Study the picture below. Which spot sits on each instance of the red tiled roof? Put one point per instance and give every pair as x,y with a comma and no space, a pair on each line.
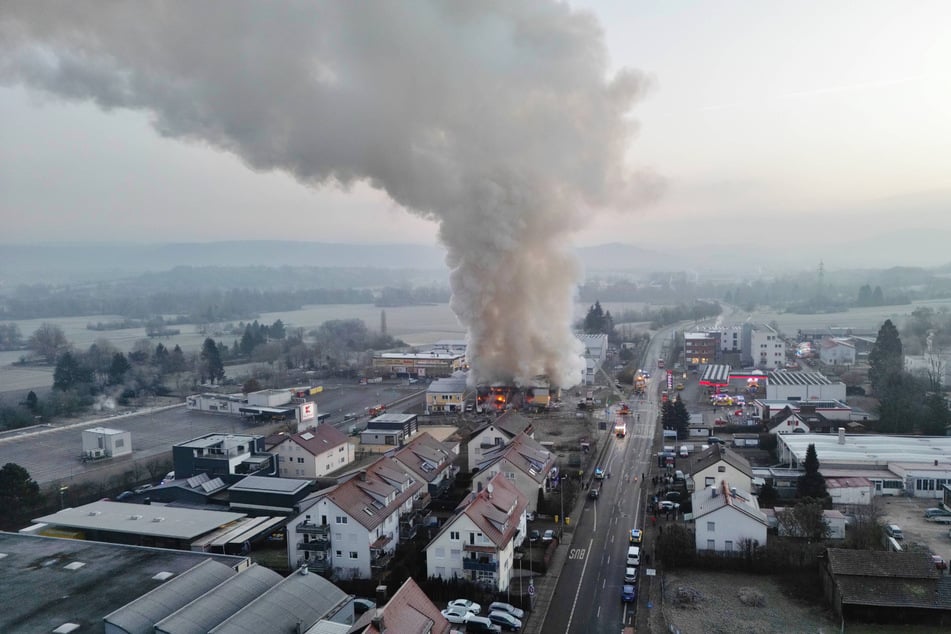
364,497
410,611
320,439
424,449
497,514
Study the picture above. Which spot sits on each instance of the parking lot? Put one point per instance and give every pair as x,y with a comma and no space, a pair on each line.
909,514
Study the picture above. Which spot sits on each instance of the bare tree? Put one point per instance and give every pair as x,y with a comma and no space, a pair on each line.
48,341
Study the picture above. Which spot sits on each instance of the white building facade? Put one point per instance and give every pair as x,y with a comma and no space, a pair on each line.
727,517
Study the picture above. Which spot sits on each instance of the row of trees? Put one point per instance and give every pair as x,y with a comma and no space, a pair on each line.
600,321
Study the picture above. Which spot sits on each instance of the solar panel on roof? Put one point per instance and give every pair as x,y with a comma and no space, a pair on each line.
212,485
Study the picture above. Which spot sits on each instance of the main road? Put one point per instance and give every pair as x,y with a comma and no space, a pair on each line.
587,597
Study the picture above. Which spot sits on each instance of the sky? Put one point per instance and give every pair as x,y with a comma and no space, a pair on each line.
830,118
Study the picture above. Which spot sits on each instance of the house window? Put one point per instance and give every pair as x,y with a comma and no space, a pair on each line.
728,545
454,535
711,527
300,461
341,519
339,553
455,554
440,571
354,554
721,469
708,481
711,544
440,553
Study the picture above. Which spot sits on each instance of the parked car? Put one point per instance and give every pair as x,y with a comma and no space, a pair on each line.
456,614
939,562
936,512
465,604
125,495
630,575
534,536
894,530
628,593
667,505
505,621
598,473
480,624
499,606
594,492
548,536
363,605
636,536
142,488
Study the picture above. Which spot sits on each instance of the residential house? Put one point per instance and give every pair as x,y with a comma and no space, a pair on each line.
226,456
390,429
886,586
767,348
350,531
447,396
803,420
834,521
523,462
478,543
835,351
726,517
313,453
718,463
409,610
432,463
492,435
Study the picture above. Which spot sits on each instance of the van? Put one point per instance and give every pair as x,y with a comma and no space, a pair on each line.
894,530
684,452
634,556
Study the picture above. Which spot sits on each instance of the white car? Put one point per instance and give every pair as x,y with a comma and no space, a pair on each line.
456,614
465,604
498,606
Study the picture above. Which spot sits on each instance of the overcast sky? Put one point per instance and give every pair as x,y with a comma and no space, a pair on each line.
759,114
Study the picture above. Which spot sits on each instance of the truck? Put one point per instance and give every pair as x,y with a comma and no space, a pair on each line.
620,427
661,363
376,410
640,383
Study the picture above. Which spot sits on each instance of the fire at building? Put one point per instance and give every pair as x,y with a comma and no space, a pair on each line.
500,398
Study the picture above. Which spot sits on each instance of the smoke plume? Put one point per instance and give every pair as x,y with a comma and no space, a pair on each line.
496,119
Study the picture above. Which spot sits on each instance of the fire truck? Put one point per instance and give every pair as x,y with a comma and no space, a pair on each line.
376,410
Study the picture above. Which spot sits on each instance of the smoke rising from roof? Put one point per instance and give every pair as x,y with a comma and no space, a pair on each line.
495,119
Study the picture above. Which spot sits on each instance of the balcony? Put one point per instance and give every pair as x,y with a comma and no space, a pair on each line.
381,561
422,502
320,566
320,545
309,528
481,565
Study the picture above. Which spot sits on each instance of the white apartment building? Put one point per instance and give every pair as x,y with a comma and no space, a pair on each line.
313,453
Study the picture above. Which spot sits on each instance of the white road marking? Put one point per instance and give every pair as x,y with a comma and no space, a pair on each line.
578,591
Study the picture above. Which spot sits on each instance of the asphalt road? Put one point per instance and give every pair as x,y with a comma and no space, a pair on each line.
52,454
587,598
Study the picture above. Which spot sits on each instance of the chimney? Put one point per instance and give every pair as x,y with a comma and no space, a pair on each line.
363,476
381,595
841,435
377,621
733,491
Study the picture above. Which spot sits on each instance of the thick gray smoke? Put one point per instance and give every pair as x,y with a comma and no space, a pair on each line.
495,119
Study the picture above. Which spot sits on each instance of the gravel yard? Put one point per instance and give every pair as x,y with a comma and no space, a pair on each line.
706,602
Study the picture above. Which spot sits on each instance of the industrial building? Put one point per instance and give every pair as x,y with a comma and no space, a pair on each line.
916,466
435,363
286,404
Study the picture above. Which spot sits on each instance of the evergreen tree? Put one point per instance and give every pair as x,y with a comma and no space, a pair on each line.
768,496
681,419
936,417
117,370
668,418
19,493
594,320
886,359
161,358
32,401
70,373
277,330
212,368
176,360
811,484
878,298
900,406
865,296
